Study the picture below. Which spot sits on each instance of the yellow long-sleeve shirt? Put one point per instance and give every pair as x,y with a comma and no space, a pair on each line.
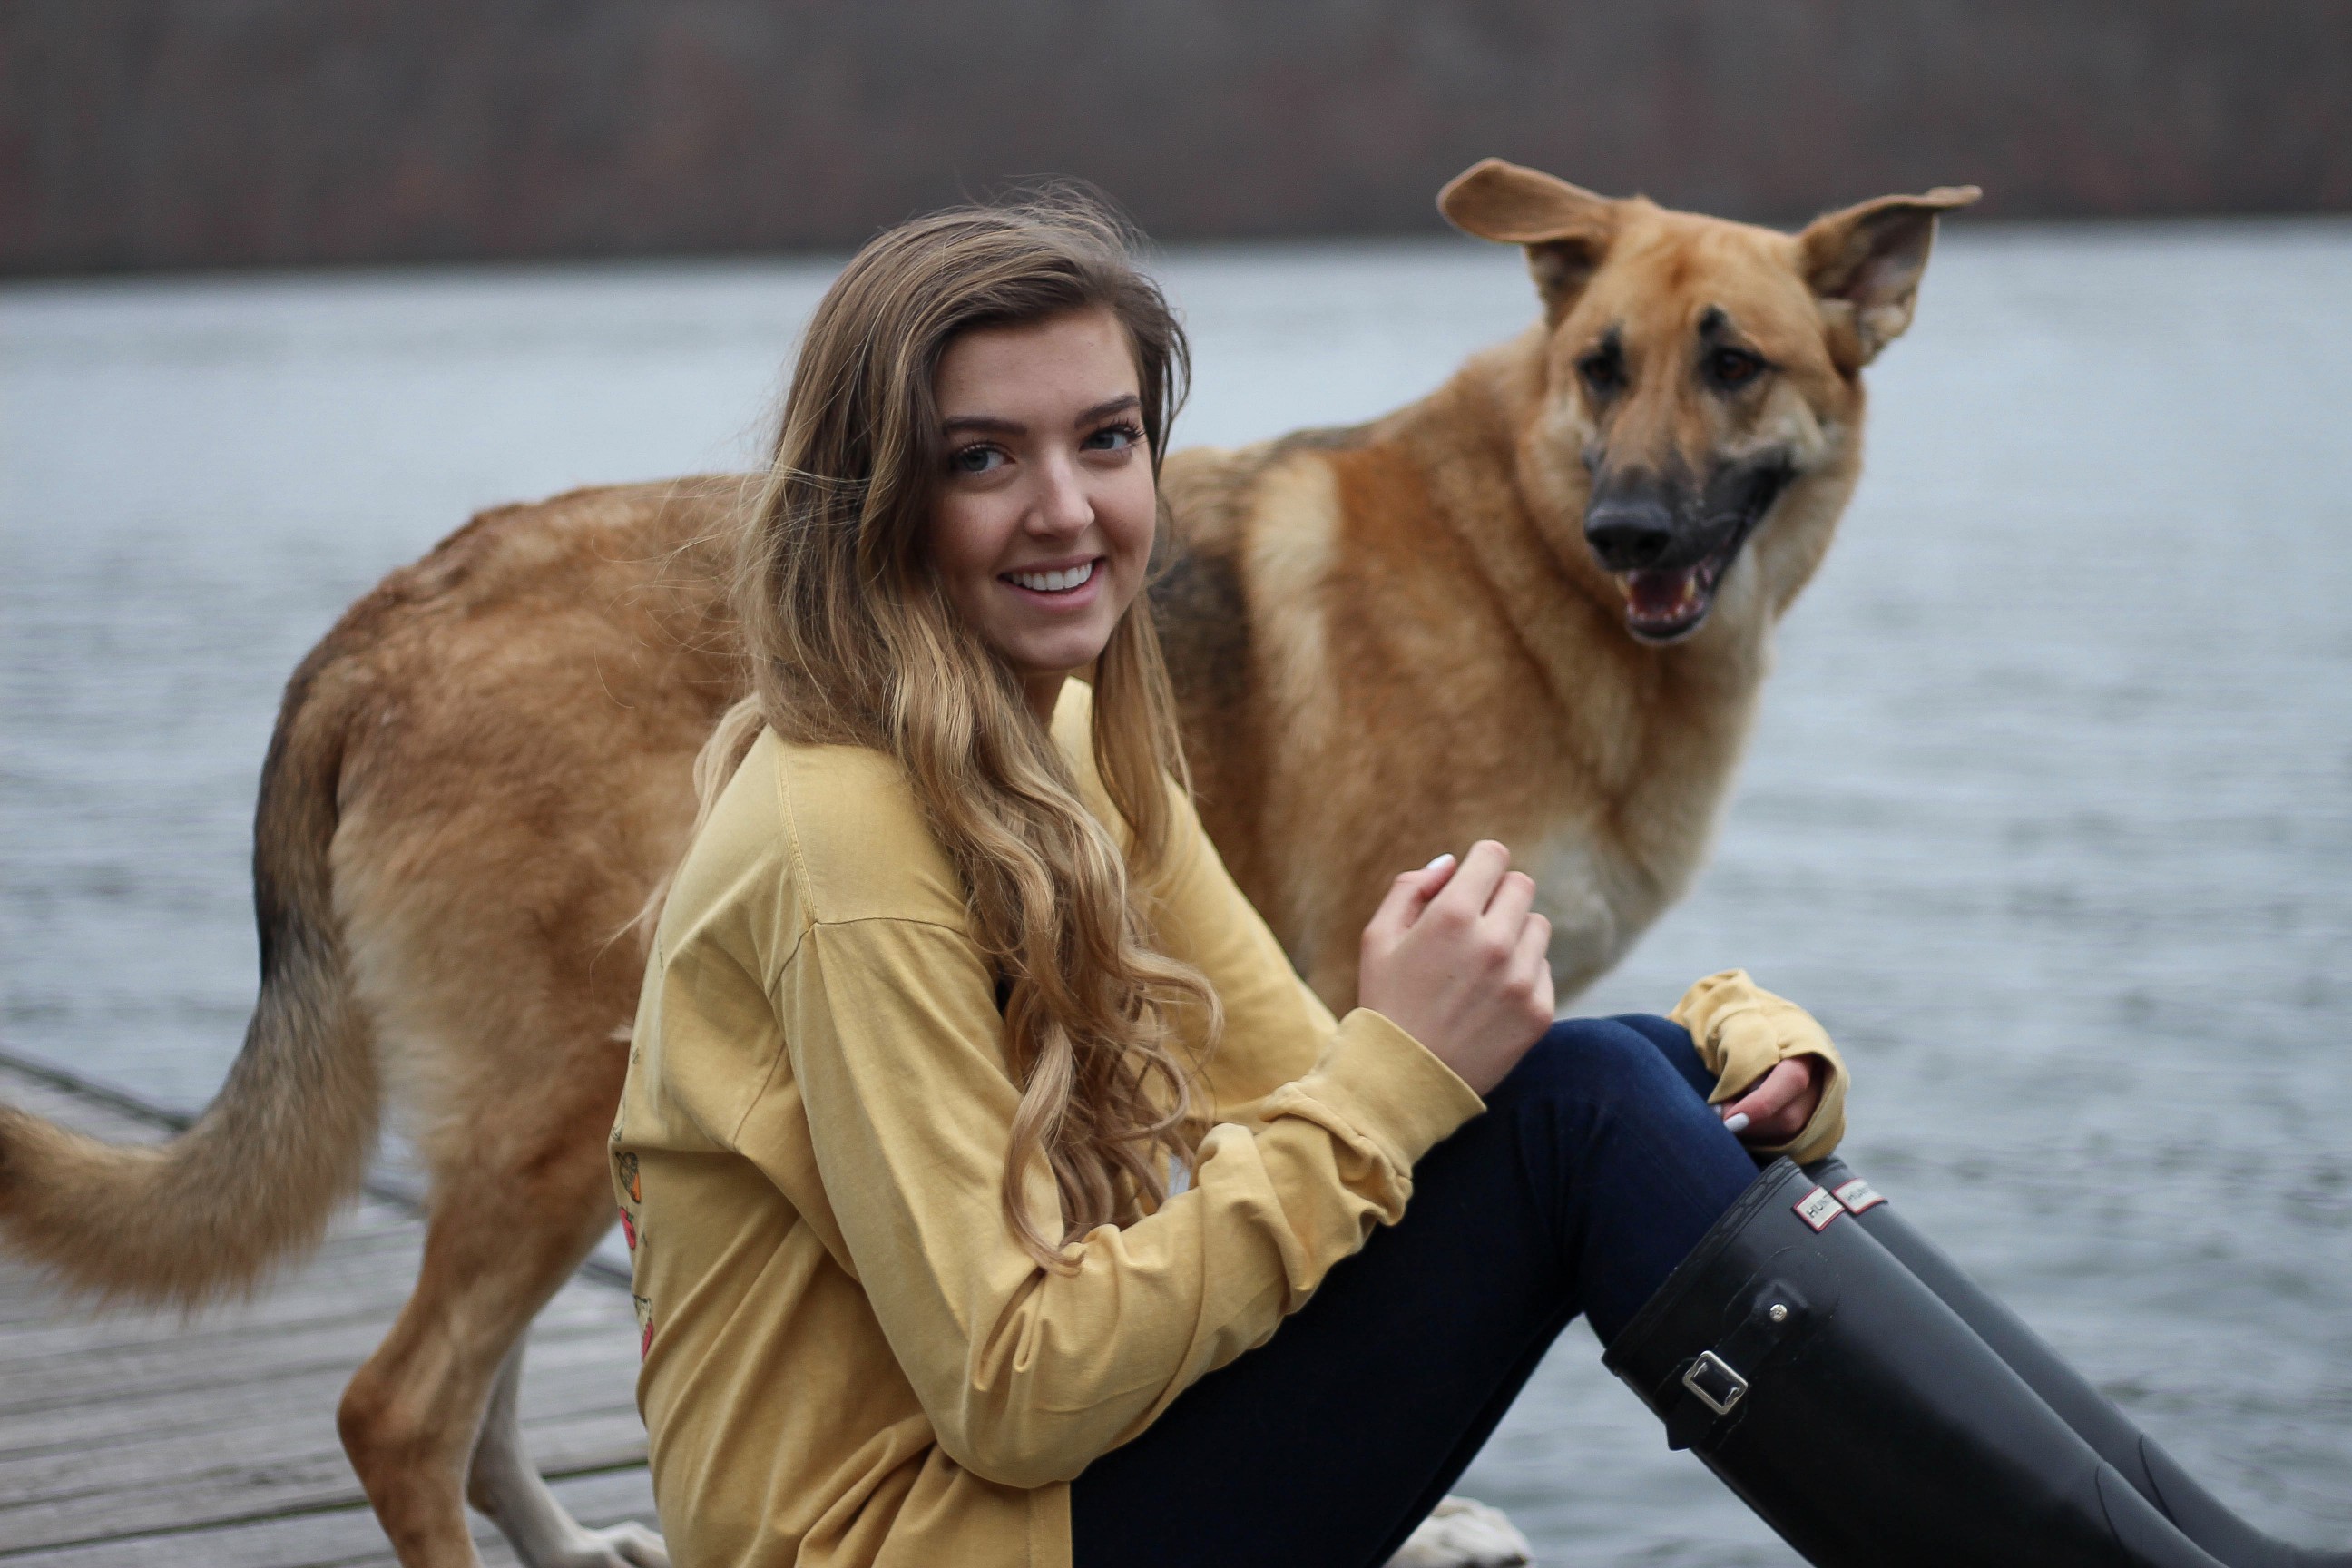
848,1359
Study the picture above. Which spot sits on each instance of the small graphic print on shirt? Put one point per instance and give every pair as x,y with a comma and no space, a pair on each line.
644,1324
1817,1208
629,1229
624,1165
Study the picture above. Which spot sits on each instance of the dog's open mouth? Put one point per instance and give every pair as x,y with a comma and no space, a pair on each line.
1664,605
1667,603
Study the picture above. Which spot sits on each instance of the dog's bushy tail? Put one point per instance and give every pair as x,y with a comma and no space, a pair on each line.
288,1137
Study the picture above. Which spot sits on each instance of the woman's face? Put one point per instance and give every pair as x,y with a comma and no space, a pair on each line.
1042,524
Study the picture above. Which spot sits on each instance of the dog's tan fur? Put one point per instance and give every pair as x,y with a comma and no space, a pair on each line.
1388,641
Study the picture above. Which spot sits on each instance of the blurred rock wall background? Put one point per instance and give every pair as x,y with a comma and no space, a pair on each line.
199,133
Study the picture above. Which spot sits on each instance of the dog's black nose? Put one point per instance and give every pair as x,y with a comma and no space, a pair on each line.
1629,533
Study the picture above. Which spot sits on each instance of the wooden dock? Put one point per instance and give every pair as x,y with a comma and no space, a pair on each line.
142,1441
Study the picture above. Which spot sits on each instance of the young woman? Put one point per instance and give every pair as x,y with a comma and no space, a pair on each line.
998,1195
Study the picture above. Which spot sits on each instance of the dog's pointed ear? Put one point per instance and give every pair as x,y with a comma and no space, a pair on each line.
1866,261
1566,229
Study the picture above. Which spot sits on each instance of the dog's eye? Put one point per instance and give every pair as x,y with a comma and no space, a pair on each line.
1732,369
1603,370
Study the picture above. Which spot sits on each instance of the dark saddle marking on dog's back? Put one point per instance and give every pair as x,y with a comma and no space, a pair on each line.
1204,629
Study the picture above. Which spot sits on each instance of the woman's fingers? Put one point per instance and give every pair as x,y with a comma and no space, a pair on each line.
1532,965
1780,1105
1765,1096
1764,1104
1535,945
1409,894
1472,887
1515,895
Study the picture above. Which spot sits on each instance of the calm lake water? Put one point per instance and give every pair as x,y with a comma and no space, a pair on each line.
2048,816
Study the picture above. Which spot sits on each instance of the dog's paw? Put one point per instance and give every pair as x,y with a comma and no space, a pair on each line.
622,1546
1460,1534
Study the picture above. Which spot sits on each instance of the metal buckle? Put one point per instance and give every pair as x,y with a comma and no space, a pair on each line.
1711,1374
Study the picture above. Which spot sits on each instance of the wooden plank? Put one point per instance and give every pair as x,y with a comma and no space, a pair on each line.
162,1365
363,1255
334,1538
230,1491
578,1404
35,1360
376,1256
262,1432
141,1438
164,1361
560,1375
372,1266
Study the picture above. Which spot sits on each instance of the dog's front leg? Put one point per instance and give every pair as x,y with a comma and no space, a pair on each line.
506,1486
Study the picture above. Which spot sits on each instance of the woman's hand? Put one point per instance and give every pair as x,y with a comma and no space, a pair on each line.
1457,958
1771,1059
1779,1104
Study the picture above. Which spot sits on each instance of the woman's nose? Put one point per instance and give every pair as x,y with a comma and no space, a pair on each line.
1063,505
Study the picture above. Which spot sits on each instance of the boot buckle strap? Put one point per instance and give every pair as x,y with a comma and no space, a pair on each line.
1718,1386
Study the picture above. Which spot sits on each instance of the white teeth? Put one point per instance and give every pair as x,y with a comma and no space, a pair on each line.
1059,582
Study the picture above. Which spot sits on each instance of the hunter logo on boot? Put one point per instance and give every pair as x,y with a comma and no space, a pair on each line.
1817,1208
1858,1195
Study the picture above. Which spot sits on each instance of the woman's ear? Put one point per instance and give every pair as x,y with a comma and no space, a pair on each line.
1565,228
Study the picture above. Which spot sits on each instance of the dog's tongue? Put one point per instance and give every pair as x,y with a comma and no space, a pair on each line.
1662,596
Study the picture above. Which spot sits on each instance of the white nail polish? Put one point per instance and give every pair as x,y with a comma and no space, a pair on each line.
1736,1123
1438,863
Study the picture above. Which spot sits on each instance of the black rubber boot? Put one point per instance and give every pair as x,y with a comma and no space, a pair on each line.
2153,1473
1859,1416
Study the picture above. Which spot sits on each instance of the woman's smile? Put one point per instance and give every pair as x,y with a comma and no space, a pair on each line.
1058,585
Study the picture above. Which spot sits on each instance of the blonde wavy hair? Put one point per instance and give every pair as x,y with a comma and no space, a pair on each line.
852,639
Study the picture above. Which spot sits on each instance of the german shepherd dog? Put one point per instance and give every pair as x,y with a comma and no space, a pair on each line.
1536,605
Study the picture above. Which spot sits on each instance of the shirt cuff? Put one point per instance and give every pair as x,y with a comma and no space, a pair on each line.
1388,1087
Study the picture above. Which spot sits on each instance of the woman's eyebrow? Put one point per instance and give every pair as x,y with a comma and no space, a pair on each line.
988,422
1109,407
993,425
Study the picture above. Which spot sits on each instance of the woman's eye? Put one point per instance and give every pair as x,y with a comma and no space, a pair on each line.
977,460
1113,438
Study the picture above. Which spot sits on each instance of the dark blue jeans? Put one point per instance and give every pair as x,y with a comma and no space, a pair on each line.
1597,1166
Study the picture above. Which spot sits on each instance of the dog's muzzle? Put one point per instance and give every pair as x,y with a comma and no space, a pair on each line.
1669,558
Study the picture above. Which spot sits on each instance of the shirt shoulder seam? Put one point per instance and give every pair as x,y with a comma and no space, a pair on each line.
812,914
